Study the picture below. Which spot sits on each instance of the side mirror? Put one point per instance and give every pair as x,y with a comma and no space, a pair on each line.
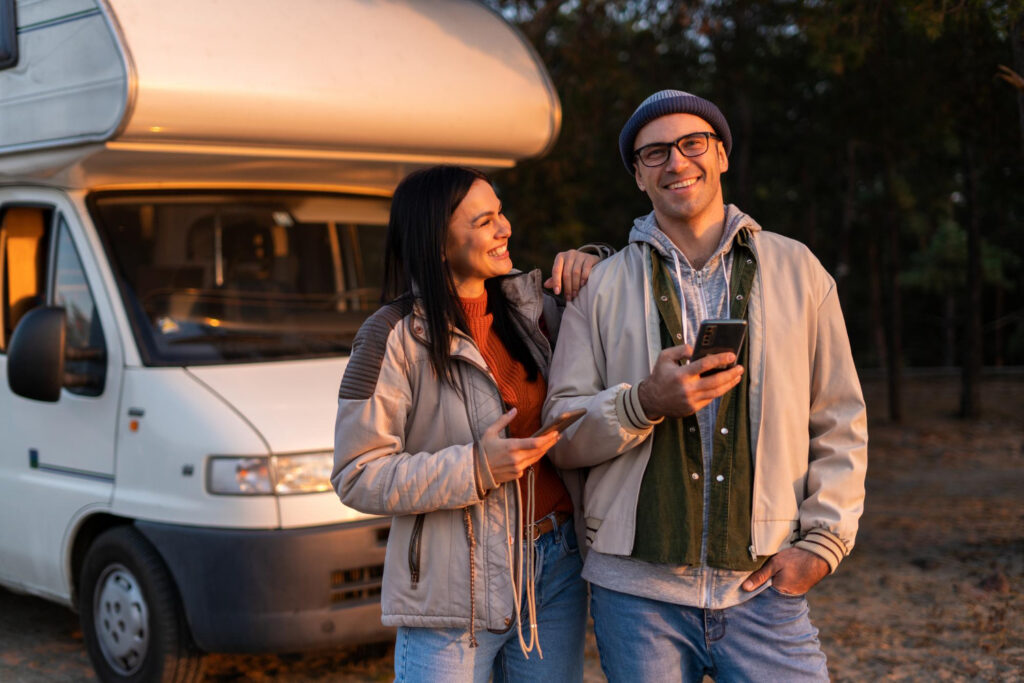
35,356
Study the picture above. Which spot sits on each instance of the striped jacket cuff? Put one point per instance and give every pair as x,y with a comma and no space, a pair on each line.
825,545
631,414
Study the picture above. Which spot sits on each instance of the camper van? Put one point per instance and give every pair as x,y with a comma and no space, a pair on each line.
193,201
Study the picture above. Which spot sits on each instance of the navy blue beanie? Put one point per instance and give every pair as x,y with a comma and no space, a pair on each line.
671,102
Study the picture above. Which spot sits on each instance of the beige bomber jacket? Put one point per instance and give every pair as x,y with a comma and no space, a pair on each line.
808,423
405,445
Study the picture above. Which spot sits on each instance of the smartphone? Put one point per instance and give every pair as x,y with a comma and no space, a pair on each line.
560,423
719,336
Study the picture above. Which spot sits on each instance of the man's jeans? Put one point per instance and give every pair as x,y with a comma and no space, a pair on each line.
766,638
437,654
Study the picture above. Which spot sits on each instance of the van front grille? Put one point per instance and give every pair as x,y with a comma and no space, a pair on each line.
356,585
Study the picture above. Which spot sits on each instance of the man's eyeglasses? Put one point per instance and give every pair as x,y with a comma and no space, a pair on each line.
657,153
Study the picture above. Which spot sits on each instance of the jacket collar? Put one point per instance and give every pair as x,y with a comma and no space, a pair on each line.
523,291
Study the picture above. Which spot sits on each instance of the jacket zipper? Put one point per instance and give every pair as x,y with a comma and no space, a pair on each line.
415,544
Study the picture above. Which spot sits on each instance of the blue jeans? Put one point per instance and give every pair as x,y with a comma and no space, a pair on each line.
443,654
766,638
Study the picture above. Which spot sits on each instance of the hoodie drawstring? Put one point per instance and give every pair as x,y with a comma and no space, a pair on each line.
723,268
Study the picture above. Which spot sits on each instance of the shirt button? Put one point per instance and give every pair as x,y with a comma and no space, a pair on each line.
693,429
749,261
739,297
719,478
664,298
725,430
679,336
695,476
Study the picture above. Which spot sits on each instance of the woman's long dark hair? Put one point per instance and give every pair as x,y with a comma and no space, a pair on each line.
421,209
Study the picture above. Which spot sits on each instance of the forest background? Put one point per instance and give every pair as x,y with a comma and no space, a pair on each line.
887,135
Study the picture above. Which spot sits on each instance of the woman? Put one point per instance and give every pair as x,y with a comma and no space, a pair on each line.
482,568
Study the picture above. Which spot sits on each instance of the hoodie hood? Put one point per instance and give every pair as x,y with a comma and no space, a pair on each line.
646,230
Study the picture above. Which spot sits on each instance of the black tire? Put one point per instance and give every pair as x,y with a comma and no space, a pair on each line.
131,615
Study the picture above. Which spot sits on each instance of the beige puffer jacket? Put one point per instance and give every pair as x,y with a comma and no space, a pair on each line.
404,446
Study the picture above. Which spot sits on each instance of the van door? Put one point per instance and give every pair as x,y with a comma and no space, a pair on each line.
56,459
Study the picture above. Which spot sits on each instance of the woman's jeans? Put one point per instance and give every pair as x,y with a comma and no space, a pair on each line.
444,654
767,638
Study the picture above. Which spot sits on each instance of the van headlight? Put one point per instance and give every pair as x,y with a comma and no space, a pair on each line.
309,473
262,475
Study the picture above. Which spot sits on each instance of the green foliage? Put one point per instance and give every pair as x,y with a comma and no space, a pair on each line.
940,267
854,122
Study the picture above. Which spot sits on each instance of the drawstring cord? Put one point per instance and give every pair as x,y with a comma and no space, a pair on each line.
682,296
528,557
468,519
728,292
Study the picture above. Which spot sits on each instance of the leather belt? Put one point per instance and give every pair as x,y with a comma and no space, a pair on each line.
547,524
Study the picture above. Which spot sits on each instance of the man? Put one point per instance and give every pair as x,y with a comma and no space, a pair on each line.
712,504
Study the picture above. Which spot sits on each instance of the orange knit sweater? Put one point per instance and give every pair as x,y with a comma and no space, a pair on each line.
527,397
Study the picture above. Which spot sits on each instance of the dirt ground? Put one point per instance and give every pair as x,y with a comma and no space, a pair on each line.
931,593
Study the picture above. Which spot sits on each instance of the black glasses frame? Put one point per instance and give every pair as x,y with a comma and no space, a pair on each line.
675,143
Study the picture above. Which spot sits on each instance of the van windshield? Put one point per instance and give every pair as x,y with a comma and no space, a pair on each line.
242,277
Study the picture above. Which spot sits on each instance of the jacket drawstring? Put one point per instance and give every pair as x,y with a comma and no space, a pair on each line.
468,519
528,561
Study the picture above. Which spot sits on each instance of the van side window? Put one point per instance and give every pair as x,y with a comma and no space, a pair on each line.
8,35
24,233
86,346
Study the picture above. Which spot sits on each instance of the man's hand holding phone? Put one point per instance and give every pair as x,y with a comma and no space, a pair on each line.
678,390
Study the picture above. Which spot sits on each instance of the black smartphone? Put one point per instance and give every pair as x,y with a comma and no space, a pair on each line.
560,423
719,336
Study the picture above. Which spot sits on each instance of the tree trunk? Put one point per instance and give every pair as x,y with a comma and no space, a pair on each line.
894,328
745,119
949,332
1017,46
970,391
998,335
877,305
842,264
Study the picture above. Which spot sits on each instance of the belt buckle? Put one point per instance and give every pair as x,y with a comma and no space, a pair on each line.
547,523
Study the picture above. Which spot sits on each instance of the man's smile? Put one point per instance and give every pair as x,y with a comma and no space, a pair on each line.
682,184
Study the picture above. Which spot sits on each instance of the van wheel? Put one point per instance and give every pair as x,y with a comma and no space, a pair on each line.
131,617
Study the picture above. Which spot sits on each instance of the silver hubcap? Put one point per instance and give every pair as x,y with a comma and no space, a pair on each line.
121,619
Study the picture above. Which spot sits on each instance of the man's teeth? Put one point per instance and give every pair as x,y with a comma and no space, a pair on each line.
500,251
682,183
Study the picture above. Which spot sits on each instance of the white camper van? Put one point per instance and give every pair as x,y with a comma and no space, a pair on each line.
193,199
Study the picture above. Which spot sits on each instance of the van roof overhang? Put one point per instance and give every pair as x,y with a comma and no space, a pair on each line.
341,93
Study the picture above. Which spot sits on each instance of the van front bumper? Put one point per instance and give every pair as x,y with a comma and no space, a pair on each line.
280,590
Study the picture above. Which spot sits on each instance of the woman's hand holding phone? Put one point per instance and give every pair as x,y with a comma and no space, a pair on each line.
508,459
